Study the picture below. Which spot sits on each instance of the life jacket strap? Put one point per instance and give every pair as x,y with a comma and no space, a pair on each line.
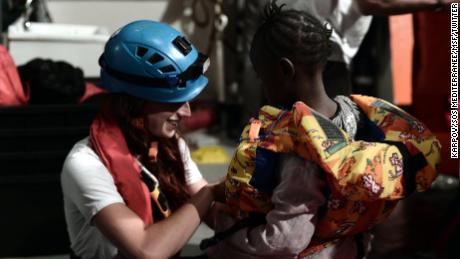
254,130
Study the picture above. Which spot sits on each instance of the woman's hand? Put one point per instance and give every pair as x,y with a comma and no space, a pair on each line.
218,189
218,192
164,238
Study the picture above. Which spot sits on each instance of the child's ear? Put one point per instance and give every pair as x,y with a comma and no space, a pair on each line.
287,67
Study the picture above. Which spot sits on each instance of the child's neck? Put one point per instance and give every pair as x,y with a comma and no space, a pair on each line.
313,94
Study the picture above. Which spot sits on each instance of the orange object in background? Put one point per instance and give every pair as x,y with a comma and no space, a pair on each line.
431,75
401,47
420,53
12,92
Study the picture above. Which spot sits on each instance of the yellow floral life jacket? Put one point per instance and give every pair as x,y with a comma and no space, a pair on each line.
394,156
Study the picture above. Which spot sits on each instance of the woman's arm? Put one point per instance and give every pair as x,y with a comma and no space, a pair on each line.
161,240
87,183
196,187
217,206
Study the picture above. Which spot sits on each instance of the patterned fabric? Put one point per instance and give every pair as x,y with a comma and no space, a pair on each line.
396,155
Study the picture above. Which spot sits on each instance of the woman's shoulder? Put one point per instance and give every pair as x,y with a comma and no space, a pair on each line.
81,161
184,150
182,144
82,148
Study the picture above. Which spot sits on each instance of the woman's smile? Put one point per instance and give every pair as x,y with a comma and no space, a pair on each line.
174,123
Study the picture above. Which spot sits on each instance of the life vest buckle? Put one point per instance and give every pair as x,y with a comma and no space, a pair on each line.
254,130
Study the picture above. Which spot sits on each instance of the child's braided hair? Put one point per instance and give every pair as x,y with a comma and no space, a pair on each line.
294,34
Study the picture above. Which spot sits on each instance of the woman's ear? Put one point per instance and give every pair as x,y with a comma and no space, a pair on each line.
287,67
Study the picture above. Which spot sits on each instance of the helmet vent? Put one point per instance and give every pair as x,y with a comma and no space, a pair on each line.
183,45
140,51
155,59
167,69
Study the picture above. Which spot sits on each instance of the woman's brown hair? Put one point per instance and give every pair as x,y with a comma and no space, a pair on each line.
169,166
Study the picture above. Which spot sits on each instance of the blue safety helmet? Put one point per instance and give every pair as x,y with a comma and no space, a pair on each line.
153,61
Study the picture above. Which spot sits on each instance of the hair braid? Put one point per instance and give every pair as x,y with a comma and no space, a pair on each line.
294,34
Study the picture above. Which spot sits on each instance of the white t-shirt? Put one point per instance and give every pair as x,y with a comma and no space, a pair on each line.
88,187
345,17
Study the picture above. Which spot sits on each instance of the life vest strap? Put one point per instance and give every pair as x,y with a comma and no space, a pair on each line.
153,151
254,130
160,206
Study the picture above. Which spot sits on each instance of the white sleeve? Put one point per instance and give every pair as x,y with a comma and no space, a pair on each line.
192,173
87,183
291,224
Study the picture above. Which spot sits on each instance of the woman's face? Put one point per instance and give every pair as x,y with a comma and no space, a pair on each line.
162,119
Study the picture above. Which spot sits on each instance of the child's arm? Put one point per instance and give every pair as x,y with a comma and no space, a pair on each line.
290,225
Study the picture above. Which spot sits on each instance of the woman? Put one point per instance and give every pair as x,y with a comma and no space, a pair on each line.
130,188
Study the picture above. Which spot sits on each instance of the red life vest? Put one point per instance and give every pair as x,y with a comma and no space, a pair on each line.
11,91
111,147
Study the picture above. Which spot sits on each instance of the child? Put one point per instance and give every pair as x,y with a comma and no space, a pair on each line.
298,184
131,189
